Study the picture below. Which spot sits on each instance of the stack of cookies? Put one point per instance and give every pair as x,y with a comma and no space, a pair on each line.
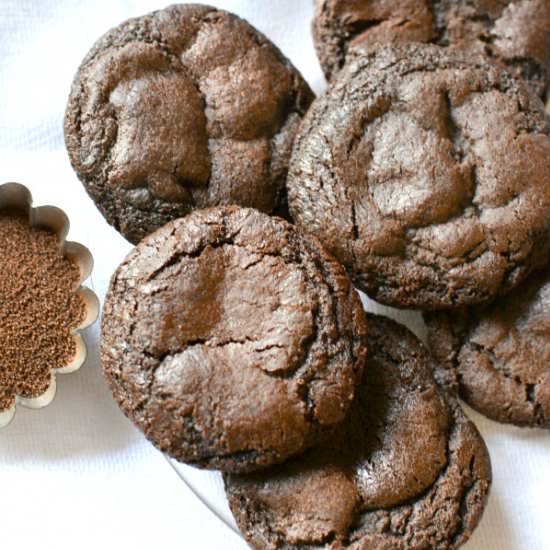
234,338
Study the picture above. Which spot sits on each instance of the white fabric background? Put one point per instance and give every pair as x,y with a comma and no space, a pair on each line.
77,474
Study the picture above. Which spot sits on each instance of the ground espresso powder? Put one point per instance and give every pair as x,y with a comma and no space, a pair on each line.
38,308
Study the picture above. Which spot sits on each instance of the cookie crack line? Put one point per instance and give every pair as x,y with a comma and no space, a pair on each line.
247,454
463,507
176,258
213,343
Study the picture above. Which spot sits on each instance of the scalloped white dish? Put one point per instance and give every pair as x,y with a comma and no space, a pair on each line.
17,197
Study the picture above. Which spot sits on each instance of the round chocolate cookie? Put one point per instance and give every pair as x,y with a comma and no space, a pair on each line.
232,341
406,471
426,171
514,33
499,355
184,108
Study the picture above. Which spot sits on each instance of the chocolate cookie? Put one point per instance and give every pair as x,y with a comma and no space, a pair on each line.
514,33
426,171
231,340
499,355
184,108
406,471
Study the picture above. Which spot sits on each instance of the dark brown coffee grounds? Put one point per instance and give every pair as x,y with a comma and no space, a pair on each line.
38,308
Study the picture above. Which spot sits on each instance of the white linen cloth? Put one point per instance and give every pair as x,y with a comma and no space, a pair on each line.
77,474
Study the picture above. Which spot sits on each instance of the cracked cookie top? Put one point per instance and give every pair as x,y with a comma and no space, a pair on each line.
403,457
426,171
499,356
512,32
232,340
183,108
